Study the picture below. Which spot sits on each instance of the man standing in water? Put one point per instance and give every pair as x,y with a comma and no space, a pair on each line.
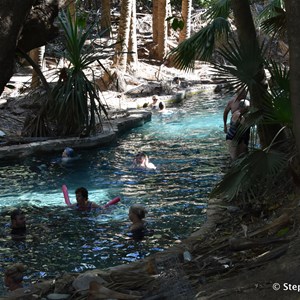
239,146
232,106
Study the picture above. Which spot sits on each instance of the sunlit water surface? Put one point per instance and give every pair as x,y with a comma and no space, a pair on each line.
187,146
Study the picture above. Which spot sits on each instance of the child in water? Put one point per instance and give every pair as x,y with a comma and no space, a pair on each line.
67,154
83,203
136,215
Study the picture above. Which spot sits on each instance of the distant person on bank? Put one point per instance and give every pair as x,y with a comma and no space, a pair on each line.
154,104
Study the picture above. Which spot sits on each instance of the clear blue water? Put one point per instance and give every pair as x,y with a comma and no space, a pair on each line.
188,148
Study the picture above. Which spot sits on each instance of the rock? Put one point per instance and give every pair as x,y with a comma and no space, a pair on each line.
82,282
98,291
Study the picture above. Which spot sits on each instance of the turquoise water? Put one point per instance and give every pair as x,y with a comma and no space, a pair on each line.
187,146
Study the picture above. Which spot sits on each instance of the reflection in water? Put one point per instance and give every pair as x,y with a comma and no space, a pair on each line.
186,146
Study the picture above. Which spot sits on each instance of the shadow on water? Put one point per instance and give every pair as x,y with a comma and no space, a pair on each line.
187,147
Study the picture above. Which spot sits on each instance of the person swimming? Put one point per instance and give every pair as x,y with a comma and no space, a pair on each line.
67,158
18,224
141,160
83,203
68,153
136,215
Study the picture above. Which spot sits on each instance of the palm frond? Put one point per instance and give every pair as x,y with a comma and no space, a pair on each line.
276,25
76,106
269,10
272,18
245,63
218,8
250,173
242,65
277,103
201,45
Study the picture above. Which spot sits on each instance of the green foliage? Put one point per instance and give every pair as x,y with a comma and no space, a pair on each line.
273,18
282,232
76,106
201,45
176,23
204,3
243,65
277,103
218,9
251,175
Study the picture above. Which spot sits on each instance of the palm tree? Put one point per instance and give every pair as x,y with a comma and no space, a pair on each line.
75,107
257,85
132,57
186,12
120,58
246,61
155,14
105,21
162,26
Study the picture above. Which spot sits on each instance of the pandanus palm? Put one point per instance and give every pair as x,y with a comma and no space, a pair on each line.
76,105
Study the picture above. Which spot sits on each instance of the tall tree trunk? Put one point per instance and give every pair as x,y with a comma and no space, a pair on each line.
293,25
120,58
186,12
163,30
105,21
132,58
12,16
155,27
249,43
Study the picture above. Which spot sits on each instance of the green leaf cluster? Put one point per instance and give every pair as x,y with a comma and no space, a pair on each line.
75,105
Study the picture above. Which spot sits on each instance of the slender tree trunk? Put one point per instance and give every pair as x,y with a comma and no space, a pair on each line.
155,27
120,58
169,14
249,43
186,12
105,21
163,30
132,58
37,55
293,25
